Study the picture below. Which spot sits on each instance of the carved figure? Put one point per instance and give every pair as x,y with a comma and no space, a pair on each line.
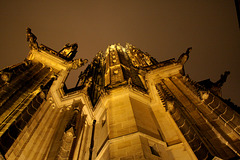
69,51
103,91
184,57
222,80
147,59
89,82
32,39
78,63
129,46
99,54
47,49
216,87
5,76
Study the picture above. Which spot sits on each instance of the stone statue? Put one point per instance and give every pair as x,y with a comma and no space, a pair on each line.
184,57
32,39
69,51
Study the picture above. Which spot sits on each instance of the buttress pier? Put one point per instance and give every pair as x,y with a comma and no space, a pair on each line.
126,106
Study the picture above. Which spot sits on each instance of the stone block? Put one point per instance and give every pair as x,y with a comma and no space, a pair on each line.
127,158
124,144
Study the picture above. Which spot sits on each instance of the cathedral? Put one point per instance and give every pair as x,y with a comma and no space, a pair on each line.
125,106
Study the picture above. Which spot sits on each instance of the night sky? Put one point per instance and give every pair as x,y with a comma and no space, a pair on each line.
164,29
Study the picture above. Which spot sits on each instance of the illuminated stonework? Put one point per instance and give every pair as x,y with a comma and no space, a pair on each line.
126,105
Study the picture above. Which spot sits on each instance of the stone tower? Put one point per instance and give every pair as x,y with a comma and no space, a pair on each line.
126,105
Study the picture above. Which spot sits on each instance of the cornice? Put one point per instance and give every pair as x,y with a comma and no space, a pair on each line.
50,60
164,72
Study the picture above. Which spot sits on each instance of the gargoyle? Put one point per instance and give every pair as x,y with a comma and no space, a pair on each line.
222,79
184,57
216,87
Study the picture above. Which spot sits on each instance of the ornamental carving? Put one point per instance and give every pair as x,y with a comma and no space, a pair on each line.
78,63
68,52
184,57
32,39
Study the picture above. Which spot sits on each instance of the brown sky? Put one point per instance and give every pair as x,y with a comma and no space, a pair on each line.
163,28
